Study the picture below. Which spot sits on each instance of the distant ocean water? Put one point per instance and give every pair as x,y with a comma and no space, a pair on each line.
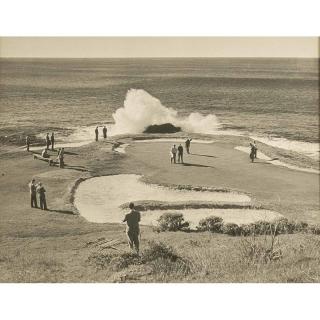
276,98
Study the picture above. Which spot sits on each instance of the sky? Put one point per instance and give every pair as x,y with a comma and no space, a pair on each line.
125,47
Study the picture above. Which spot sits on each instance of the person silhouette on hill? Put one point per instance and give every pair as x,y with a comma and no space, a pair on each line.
104,130
173,154
180,153
52,141
188,141
132,219
96,131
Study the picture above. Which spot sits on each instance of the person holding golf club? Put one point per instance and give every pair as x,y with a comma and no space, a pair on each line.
132,219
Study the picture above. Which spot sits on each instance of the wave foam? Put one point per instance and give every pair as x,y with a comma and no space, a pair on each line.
142,109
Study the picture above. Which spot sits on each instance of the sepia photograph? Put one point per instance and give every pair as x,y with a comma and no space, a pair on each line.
159,160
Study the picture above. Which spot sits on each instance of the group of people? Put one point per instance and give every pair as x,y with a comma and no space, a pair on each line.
104,132
45,154
49,140
60,156
37,188
179,151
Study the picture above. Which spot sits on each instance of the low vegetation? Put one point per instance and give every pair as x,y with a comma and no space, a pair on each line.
172,221
160,259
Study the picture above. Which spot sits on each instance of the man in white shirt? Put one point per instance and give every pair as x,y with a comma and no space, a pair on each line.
174,154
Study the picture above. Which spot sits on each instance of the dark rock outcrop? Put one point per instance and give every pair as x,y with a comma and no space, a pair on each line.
162,128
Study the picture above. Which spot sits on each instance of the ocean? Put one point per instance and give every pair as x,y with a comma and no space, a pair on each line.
272,99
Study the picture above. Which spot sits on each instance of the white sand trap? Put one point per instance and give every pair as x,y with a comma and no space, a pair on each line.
276,162
122,148
99,200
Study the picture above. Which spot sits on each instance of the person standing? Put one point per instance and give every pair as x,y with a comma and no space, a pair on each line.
28,142
252,152
96,131
173,154
188,141
255,149
132,219
33,193
42,196
48,141
61,158
104,130
52,141
180,153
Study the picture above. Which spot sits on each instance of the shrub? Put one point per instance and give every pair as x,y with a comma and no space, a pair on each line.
172,221
280,226
283,225
212,224
301,226
247,229
260,227
232,229
315,229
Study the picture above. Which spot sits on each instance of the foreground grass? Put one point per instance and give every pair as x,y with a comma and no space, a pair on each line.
165,257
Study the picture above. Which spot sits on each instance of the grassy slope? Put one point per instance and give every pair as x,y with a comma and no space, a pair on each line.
38,246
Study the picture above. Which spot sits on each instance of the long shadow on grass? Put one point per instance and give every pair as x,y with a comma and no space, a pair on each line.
203,155
62,211
196,165
77,168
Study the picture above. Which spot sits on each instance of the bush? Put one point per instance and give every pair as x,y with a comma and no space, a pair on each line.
172,222
283,225
212,224
280,226
232,229
301,226
315,229
259,227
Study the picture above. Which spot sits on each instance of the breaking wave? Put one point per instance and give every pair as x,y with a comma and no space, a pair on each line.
141,110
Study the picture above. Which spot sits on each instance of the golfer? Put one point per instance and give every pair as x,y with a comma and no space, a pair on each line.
132,219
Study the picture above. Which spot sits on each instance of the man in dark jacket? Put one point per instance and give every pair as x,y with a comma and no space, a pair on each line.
42,196
132,219
96,131
104,130
188,141
180,153
52,141
33,193
48,141
28,142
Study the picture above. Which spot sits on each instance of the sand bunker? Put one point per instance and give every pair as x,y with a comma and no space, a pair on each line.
276,162
99,200
122,148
